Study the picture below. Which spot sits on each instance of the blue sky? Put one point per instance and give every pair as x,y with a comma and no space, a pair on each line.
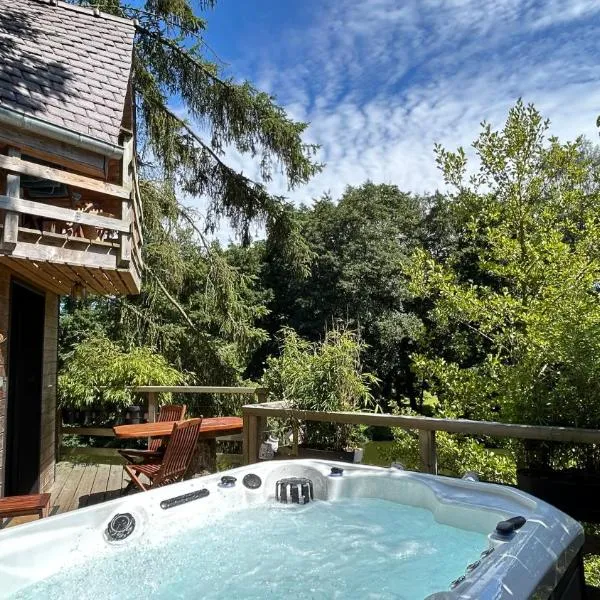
382,80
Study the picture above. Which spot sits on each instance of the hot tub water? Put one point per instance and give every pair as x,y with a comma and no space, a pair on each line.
348,548
301,529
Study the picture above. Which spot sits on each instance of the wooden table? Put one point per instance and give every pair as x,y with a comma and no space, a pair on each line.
205,457
210,428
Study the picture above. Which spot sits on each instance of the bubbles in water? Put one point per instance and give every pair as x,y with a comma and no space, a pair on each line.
350,548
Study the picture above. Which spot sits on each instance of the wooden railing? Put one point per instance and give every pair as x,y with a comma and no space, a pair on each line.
94,241
12,203
152,393
256,415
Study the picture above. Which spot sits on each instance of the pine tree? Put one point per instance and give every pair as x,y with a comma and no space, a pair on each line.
194,306
171,60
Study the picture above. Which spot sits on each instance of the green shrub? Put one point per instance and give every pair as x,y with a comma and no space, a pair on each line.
591,566
97,373
457,454
323,376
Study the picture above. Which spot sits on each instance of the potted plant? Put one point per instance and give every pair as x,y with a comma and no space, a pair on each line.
355,443
324,376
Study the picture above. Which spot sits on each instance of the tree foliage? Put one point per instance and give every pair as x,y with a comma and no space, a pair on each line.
360,246
98,373
525,316
195,307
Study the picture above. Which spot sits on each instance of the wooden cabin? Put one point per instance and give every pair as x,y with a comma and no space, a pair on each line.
69,209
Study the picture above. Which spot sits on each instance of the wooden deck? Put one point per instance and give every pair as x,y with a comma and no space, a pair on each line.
80,485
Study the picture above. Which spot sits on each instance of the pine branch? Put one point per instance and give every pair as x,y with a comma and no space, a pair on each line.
186,30
183,211
204,145
176,304
184,54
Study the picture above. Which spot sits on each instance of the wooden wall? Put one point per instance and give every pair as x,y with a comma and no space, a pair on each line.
48,445
48,429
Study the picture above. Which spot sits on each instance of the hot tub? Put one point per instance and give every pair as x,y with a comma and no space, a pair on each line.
301,529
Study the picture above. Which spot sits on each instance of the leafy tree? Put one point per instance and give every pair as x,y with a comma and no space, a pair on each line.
98,372
360,247
525,317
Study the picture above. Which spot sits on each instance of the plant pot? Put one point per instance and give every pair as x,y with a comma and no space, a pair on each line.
133,415
573,491
90,232
358,455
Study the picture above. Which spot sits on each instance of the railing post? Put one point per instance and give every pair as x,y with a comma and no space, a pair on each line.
152,405
254,428
295,428
250,434
427,451
261,427
11,219
261,395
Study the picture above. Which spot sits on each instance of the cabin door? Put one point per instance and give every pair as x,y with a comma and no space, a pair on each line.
25,365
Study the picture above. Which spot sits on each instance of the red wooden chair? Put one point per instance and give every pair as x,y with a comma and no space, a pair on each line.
156,447
175,461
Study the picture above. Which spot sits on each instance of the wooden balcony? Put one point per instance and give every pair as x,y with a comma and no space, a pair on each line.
69,215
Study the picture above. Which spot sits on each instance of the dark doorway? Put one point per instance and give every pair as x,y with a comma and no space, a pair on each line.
25,364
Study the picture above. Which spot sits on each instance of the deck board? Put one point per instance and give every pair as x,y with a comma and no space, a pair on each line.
82,495
63,470
65,497
97,492
115,482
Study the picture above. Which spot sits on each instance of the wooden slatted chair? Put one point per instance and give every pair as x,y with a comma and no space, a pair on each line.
156,447
175,461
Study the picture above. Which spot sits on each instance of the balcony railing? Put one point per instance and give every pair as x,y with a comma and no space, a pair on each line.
91,235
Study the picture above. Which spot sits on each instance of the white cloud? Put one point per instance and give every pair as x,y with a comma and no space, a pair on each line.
381,80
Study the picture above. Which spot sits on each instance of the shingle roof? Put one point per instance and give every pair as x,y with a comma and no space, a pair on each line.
64,65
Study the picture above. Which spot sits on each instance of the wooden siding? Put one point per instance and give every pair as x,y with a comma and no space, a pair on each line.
48,429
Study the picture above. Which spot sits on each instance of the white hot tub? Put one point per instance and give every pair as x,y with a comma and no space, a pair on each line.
301,529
